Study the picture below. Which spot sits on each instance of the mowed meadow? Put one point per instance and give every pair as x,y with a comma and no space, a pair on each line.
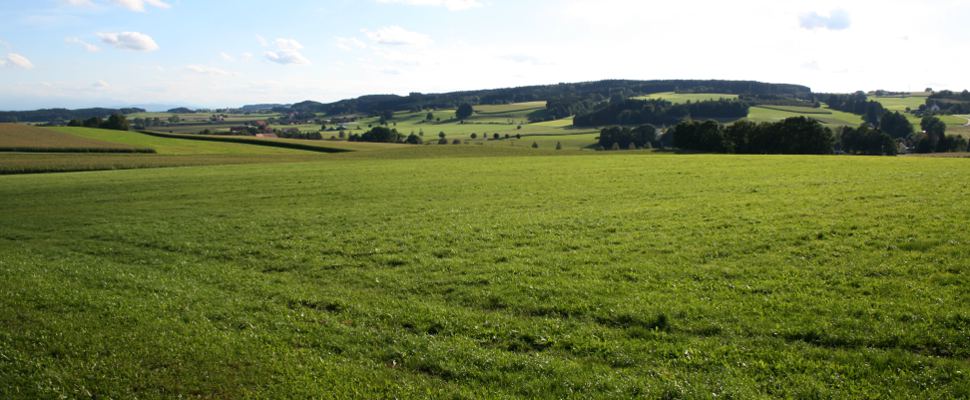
470,271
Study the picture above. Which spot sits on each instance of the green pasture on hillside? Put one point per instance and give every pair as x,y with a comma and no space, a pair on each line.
680,98
900,103
174,146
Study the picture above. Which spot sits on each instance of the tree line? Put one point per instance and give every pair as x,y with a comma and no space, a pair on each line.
797,135
856,103
383,134
60,115
619,137
802,135
658,112
116,122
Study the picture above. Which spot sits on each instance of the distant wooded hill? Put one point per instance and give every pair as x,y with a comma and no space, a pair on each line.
588,91
63,114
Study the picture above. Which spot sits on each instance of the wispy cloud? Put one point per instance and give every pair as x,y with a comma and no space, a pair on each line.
226,57
100,85
452,5
836,20
139,5
206,70
18,60
80,3
87,46
129,41
397,36
348,44
287,52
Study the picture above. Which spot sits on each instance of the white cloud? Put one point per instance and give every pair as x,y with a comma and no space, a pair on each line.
452,5
129,41
19,61
287,57
87,46
80,3
348,44
288,44
139,5
246,56
226,57
397,36
836,20
205,70
262,41
288,52
100,85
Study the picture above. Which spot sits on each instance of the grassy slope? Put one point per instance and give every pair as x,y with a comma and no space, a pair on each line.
20,136
834,119
171,153
897,103
680,98
25,163
175,146
510,108
590,276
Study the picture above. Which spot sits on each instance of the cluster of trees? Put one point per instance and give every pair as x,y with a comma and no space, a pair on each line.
801,135
868,140
181,110
798,135
856,103
636,112
297,134
949,102
146,122
933,138
116,122
383,134
563,107
894,130
380,134
616,138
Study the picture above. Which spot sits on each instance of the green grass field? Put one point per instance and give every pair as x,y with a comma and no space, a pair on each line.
900,103
475,272
680,98
510,108
829,117
27,138
170,152
174,146
28,163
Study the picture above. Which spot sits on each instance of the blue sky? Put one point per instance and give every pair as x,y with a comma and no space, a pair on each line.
79,53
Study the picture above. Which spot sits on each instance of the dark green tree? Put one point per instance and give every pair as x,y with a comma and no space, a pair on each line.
381,134
413,139
896,125
116,122
464,111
